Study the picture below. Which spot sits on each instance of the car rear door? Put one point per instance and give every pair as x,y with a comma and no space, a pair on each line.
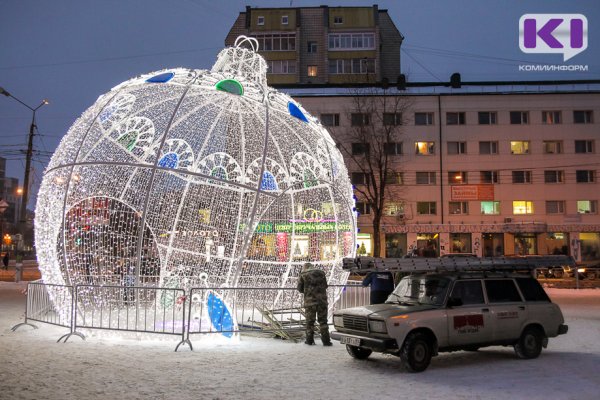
507,309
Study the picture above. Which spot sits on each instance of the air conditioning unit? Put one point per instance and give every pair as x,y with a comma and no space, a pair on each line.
508,220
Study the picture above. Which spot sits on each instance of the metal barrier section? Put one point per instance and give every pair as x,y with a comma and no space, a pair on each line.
352,294
41,301
131,308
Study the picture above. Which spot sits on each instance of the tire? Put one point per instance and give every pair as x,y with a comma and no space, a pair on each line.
360,353
558,274
529,344
416,352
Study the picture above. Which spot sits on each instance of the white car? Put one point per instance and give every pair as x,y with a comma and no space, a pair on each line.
431,313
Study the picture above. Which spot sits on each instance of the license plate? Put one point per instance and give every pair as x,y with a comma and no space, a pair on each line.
352,341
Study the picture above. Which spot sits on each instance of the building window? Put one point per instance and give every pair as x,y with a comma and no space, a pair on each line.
490,207
521,177
457,177
281,66
392,119
360,148
425,178
360,119
284,20
363,207
423,118
424,148
351,41
587,206
394,178
458,207
582,117
489,177
330,119
426,208
312,47
276,42
487,117
457,147
359,178
455,118
555,207
519,117
553,147
392,148
338,19
522,207
352,66
584,146
260,20
312,70
554,177
585,176
488,147
519,147
551,117
393,209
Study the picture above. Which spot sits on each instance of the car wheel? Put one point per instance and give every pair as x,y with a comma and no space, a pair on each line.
416,352
530,343
558,274
359,353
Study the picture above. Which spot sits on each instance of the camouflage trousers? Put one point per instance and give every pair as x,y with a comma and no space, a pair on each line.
312,312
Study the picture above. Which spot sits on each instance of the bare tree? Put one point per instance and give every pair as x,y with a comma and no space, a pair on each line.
370,147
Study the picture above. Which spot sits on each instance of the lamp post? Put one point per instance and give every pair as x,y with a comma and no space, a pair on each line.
29,155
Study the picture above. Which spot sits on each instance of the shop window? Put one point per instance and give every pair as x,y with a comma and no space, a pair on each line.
590,246
395,245
460,243
525,244
363,242
522,207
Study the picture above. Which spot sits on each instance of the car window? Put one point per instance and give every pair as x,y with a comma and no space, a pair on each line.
501,291
470,292
421,290
532,290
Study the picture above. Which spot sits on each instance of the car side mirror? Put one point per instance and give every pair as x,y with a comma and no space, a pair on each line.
455,302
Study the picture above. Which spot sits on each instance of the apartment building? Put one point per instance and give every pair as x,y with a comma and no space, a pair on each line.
492,170
323,45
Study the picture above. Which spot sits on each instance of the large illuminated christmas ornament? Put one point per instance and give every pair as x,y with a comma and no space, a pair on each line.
180,173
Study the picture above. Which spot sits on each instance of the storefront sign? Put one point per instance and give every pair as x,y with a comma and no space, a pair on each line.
301,227
472,192
531,227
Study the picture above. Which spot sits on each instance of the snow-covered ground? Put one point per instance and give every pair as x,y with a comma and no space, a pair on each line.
34,366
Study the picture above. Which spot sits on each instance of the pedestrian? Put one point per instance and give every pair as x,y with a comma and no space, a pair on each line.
382,284
313,284
5,260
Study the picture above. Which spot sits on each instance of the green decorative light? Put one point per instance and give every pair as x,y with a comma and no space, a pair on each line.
230,86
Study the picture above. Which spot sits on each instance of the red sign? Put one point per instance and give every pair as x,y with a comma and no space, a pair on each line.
472,192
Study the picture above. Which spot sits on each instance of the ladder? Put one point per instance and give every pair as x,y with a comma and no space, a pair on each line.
456,264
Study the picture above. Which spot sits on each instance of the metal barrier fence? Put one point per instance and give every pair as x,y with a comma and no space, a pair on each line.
226,311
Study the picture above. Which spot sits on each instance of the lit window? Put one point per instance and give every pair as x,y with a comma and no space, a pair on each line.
424,148
426,208
490,207
488,147
260,20
457,147
585,176
425,178
455,118
519,117
312,70
522,207
489,177
582,117
587,206
554,177
487,118
553,147
457,177
551,117
584,146
284,20
519,147
330,119
521,177
555,207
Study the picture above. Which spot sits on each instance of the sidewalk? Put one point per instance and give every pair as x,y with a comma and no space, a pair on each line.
30,273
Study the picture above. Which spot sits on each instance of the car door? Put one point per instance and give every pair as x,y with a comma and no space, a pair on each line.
507,309
470,322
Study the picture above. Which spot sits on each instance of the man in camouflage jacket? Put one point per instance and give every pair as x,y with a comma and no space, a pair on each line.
313,284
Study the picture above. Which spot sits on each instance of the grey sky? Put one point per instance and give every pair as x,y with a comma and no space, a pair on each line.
72,51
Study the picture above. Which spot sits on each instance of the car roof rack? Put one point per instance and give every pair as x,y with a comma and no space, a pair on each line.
459,264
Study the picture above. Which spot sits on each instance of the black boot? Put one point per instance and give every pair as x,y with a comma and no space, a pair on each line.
309,342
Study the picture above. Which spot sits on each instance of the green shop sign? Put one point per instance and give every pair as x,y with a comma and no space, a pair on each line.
300,227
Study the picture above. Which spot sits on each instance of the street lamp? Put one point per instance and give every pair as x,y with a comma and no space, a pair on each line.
29,155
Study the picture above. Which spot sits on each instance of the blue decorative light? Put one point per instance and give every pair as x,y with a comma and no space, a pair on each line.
219,314
169,160
268,182
295,112
161,78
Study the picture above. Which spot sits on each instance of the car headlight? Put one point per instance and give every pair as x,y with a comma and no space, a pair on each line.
581,270
338,321
377,326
